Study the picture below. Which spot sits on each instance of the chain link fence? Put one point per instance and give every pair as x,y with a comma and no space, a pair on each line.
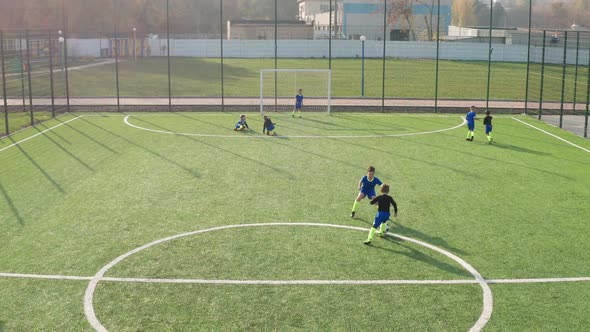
176,55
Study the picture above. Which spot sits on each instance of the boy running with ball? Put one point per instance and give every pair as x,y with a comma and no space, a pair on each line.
383,213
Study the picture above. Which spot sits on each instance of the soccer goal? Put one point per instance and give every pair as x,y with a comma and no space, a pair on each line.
278,88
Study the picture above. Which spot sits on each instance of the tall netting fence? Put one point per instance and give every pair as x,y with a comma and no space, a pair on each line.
383,55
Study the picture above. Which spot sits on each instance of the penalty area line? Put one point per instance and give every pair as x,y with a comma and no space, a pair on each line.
39,133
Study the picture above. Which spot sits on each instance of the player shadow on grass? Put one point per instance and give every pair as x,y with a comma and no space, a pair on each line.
289,175
417,255
188,170
12,207
415,234
45,174
518,149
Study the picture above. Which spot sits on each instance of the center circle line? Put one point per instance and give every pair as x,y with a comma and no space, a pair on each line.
89,293
127,122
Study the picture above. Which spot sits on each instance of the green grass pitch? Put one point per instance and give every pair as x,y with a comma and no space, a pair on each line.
93,187
405,78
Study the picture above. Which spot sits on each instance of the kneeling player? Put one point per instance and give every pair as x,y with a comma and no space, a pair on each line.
269,126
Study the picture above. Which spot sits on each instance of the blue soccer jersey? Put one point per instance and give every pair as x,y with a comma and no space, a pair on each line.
298,101
470,117
368,186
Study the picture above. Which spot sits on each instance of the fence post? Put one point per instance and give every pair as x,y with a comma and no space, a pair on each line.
563,70
29,76
437,57
490,50
587,96
384,45
4,82
65,50
542,75
528,61
576,72
168,55
50,48
116,41
221,39
22,70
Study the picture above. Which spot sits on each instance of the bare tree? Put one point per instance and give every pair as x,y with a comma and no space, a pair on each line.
400,12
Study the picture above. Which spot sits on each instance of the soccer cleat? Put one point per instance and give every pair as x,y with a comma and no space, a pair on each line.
367,242
352,214
471,139
467,139
381,234
300,116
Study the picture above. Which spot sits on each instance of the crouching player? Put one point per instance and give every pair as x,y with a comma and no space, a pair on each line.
268,127
383,214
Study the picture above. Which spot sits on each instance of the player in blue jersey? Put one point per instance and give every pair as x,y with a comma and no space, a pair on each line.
383,213
242,124
470,117
298,103
487,121
366,187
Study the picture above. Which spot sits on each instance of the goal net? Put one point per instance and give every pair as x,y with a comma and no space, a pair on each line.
278,88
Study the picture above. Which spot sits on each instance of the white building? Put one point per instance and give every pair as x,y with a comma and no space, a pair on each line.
352,18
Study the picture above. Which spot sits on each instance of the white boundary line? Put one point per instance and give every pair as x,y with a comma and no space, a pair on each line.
39,133
295,282
95,323
550,134
126,120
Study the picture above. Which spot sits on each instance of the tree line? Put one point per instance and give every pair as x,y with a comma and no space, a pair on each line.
147,16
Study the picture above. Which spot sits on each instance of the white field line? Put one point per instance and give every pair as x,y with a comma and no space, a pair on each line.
550,134
96,324
42,276
40,133
295,282
126,120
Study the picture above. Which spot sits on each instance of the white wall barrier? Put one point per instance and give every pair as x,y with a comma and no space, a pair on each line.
340,49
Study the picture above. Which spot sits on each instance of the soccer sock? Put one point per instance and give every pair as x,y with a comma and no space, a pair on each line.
354,205
371,234
468,133
472,133
382,228
490,137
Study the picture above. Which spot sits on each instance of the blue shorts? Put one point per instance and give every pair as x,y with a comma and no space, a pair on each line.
471,126
380,218
369,192
298,106
239,126
488,129
270,128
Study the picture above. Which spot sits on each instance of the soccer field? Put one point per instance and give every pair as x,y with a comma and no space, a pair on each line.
405,78
175,222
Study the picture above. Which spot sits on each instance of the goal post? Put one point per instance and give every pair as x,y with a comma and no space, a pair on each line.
278,88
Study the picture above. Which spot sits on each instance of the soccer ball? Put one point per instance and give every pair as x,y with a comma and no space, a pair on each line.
387,228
